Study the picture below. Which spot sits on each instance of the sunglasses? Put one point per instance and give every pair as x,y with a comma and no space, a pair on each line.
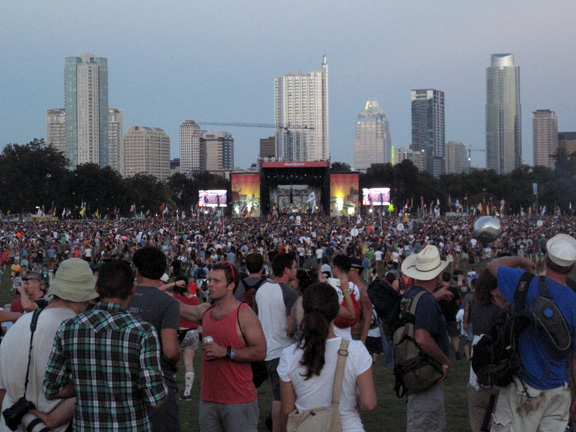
228,264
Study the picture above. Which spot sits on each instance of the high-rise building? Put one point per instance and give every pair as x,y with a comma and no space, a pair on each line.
190,134
301,115
146,150
418,158
456,159
372,143
268,147
86,104
115,136
428,128
503,115
56,129
544,137
216,151
567,141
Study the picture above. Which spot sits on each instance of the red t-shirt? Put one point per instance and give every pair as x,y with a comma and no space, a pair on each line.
194,301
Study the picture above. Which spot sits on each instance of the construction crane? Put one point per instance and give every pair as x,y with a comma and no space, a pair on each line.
470,150
286,128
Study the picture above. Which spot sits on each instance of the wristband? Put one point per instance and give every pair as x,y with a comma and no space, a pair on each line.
346,291
231,353
445,366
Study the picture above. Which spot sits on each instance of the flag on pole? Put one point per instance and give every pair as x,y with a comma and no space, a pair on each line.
162,207
165,210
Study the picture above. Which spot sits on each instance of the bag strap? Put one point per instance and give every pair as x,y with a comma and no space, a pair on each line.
414,302
33,325
339,375
544,289
522,291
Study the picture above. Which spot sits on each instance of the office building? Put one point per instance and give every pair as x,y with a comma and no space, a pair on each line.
115,136
418,158
56,129
301,115
190,134
567,141
146,150
86,104
503,115
216,151
544,137
456,159
268,147
428,128
372,143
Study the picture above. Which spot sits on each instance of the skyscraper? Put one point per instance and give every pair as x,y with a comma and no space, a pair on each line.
216,151
301,101
86,104
456,159
428,128
56,128
503,115
544,137
372,143
146,150
190,134
115,136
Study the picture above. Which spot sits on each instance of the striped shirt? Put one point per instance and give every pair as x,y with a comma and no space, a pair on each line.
113,359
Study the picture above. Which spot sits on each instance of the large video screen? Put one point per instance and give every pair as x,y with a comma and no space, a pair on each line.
245,196
376,196
212,198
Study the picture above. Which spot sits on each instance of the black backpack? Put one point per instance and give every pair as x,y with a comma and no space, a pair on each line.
250,290
386,301
495,358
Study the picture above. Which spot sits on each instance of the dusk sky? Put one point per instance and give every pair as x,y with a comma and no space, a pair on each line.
170,61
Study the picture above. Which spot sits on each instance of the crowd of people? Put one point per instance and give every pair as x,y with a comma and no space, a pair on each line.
259,296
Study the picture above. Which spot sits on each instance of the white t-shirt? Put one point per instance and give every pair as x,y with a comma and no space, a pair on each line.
317,391
14,360
378,255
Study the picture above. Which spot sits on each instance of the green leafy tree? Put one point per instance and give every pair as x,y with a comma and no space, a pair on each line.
101,189
340,167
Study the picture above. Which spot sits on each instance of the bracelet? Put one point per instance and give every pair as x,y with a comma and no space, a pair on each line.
445,366
346,291
230,353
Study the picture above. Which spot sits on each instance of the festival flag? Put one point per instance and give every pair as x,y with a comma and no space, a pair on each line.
165,210
132,207
148,212
82,211
311,197
97,214
162,207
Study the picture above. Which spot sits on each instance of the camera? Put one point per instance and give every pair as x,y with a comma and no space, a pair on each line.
31,423
13,415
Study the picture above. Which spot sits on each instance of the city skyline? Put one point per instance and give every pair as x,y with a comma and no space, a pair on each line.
179,72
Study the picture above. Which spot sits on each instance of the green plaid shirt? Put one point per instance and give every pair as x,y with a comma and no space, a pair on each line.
113,359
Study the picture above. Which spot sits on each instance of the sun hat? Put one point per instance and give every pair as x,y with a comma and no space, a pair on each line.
562,250
74,281
425,265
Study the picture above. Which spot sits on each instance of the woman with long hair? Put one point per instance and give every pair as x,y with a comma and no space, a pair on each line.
307,368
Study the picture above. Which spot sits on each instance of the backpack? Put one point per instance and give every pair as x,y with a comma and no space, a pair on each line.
345,323
495,359
386,301
250,291
414,370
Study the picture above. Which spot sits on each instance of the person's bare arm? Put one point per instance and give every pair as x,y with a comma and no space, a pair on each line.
2,394
9,316
429,346
193,313
367,307
288,397
290,321
365,392
170,347
573,376
27,304
255,340
509,261
466,315
59,416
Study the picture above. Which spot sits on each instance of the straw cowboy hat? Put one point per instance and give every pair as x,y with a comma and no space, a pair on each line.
425,265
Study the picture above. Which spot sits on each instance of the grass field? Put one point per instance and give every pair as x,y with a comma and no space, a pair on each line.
390,415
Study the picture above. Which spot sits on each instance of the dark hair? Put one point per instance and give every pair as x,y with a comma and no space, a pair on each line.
115,280
343,262
485,283
306,278
282,261
320,303
150,262
557,268
231,273
254,262
181,289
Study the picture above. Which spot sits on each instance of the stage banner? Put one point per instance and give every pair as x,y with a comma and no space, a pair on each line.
245,195
344,194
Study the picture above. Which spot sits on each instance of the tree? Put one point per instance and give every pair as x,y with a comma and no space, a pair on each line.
101,189
33,175
340,167
148,193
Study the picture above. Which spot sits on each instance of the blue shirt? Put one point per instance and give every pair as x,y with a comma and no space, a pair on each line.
541,370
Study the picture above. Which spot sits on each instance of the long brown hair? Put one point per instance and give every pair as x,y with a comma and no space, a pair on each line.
320,303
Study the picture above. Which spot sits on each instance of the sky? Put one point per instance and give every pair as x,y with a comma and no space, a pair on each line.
215,61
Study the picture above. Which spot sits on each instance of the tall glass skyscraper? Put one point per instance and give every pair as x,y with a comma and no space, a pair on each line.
503,115
372,143
301,100
86,104
428,128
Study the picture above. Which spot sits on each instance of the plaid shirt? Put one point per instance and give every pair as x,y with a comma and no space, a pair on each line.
113,359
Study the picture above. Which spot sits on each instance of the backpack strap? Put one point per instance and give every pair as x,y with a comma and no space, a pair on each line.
544,289
414,302
521,291
339,375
